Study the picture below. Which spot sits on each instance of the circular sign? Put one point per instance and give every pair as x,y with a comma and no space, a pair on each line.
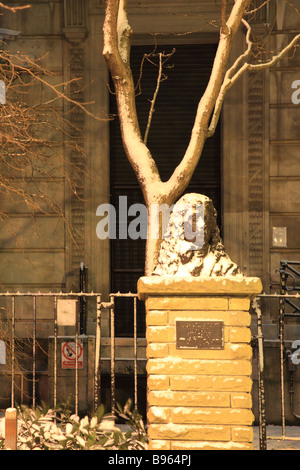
68,350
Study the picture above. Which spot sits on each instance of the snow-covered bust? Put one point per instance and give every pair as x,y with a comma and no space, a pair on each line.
192,245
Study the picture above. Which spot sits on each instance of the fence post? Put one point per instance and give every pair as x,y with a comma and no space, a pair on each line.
11,429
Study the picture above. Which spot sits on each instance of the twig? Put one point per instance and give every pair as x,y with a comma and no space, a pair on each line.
154,98
229,80
258,8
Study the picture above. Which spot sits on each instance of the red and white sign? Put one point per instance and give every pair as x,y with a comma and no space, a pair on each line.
68,355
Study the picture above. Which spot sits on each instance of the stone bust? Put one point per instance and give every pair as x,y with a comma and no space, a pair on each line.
192,245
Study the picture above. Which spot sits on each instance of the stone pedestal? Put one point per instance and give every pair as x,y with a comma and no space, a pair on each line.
199,362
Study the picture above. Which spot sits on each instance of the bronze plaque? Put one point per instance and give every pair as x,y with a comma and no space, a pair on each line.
199,335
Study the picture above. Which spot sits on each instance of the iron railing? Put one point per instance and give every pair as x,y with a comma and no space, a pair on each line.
288,307
99,306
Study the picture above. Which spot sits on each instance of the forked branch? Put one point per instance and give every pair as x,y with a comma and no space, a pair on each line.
117,35
184,171
231,79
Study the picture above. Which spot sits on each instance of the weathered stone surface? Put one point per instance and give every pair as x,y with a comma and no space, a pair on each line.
157,350
205,445
158,334
239,335
159,445
158,414
158,382
175,365
211,382
242,433
181,302
192,398
241,400
230,319
167,286
189,432
239,304
154,318
230,352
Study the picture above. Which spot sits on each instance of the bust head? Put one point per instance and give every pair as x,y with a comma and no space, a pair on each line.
192,244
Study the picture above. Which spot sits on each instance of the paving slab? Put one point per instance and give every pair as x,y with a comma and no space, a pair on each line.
277,440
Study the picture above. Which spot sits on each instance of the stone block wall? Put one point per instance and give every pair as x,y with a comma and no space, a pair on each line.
199,398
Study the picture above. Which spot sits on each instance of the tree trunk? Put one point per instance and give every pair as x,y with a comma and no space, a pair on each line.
154,239
152,253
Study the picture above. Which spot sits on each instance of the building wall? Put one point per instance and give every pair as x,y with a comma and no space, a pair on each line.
284,147
35,257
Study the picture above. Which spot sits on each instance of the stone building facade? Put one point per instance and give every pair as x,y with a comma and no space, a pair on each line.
258,152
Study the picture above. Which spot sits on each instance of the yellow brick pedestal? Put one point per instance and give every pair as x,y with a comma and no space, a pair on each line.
199,398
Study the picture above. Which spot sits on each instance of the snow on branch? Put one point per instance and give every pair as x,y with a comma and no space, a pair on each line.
186,167
231,79
116,50
117,39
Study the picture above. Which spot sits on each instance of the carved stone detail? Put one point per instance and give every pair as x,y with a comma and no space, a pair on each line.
256,172
77,165
74,20
75,32
74,13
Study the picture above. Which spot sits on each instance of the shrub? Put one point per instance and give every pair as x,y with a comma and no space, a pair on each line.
44,428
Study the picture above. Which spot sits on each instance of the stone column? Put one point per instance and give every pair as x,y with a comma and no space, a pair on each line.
199,362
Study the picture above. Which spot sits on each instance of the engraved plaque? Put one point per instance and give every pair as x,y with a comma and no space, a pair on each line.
199,335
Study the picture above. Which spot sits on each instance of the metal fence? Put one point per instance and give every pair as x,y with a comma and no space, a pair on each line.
288,305
10,338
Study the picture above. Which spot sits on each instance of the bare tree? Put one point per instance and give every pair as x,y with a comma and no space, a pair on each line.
117,42
32,132
35,134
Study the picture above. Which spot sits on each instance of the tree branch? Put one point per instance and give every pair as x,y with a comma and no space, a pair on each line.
184,171
14,9
116,50
154,98
230,81
250,12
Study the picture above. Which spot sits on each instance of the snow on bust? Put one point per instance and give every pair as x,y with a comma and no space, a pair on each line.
192,245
